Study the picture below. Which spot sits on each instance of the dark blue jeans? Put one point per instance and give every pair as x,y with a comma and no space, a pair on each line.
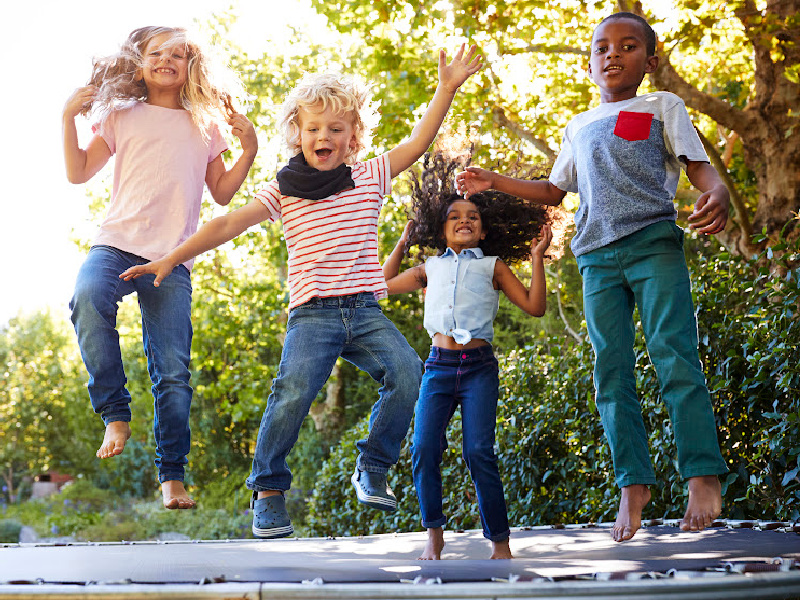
647,269
317,334
167,338
468,378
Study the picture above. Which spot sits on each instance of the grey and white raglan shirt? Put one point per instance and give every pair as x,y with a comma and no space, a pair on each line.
624,159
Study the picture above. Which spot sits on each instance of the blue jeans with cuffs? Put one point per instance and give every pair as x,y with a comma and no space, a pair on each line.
317,334
167,339
648,269
468,378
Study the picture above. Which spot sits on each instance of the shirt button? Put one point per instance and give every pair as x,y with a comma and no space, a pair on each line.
463,356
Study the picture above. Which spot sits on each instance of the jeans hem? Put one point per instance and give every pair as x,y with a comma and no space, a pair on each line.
500,537
162,477
636,480
704,471
434,524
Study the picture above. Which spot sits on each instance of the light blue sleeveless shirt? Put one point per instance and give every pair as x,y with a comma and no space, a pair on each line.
461,301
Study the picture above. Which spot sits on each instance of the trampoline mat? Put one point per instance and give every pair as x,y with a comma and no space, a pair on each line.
571,552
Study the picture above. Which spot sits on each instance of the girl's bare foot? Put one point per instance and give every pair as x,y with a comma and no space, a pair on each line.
629,518
501,549
117,433
433,549
705,503
175,495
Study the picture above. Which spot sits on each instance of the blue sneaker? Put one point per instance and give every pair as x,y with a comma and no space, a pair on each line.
270,519
372,490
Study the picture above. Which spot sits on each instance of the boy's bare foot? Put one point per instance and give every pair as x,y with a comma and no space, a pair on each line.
629,518
175,495
433,549
117,433
501,549
705,502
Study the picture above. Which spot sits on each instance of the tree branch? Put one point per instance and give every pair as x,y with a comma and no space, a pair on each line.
502,120
741,215
556,275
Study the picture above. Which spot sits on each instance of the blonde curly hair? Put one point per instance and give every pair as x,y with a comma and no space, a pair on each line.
343,94
209,89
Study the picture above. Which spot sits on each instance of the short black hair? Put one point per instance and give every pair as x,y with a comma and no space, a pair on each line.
649,34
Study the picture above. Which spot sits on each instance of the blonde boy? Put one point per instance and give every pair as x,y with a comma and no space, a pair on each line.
329,204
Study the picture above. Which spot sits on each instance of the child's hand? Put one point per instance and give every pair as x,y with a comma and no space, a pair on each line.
79,99
159,268
406,230
452,75
539,248
711,210
243,129
473,181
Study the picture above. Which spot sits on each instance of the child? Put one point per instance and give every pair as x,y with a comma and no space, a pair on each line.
155,102
624,158
329,204
474,238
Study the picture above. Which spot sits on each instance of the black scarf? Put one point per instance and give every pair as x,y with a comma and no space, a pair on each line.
299,180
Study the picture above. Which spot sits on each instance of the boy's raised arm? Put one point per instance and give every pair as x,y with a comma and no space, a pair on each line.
451,76
475,180
212,234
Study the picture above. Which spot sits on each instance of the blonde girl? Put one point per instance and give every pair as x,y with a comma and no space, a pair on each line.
155,103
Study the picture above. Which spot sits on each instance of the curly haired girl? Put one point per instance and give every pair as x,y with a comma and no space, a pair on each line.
474,238
154,101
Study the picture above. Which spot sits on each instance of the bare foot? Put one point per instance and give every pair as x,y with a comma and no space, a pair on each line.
433,549
705,503
117,433
629,518
501,549
175,495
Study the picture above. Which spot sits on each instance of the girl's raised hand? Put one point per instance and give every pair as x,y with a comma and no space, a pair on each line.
452,75
79,99
159,268
540,247
243,129
473,181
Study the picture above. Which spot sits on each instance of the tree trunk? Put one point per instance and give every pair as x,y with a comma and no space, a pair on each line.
328,416
769,126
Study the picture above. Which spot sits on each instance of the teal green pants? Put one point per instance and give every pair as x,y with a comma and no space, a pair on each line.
647,269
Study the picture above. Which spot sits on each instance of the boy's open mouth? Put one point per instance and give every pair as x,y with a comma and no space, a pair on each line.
323,152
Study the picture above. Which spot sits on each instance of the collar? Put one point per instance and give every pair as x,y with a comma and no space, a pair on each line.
475,252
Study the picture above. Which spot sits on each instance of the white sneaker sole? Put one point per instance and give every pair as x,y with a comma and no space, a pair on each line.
379,502
273,532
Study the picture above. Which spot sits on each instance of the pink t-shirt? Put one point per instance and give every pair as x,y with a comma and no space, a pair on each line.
333,242
159,174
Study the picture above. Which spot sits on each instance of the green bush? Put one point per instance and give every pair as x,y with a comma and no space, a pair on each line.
9,531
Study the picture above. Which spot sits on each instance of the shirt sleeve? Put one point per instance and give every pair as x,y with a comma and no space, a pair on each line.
383,173
564,175
680,136
270,197
216,143
105,128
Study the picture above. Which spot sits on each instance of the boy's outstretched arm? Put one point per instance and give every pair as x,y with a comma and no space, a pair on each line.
475,180
711,209
212,234
533,300
451,76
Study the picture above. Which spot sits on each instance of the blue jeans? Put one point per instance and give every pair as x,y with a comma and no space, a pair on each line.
468,378
648,269
317,334
167,338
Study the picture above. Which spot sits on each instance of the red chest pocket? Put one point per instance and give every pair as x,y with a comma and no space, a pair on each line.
633,126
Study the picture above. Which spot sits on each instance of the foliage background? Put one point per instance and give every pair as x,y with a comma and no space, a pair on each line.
554,459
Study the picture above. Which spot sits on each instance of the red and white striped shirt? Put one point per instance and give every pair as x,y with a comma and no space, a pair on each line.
333,242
